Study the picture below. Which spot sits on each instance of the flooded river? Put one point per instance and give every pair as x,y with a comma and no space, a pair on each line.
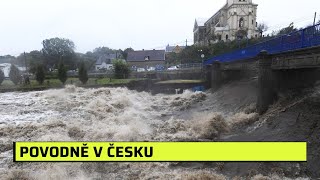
119,114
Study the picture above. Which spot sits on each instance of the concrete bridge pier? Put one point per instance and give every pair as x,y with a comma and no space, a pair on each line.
216,76
208,76
265,82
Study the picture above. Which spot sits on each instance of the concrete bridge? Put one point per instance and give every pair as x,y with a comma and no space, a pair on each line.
287,62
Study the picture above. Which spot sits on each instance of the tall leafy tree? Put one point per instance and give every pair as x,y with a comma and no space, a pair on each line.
83,75
121,69
31,60
40,74
103,50
192,54
100,51
125,53
88,59
8,59
14,74
1,76
262,27
288,29
59,49
62,73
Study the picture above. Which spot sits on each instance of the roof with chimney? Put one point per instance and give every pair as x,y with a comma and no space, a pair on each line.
146,55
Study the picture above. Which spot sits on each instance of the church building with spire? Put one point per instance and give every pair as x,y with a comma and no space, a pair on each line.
237,19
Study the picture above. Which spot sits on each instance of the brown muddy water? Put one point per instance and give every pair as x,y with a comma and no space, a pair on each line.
119,114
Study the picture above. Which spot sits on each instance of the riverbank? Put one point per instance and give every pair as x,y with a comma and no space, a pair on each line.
148,85
8,86
293,118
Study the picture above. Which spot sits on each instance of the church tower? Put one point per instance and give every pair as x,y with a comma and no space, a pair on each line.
242,18
236,20
230,2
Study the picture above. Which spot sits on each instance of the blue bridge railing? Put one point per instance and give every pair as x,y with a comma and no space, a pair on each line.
304,38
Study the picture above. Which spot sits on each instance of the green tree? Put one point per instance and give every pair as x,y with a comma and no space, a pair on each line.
172,58
192,54
287,30
14,74
59,49
102,51
31,60
88,59
262,27
8,59
83,75
125,53
62,72
40,74
1,76
121,69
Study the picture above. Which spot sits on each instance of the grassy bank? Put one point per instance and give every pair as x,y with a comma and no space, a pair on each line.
7,85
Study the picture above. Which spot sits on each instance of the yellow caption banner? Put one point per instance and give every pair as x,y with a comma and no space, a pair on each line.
158,151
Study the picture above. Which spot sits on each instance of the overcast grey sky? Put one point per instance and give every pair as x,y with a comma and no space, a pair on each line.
140,24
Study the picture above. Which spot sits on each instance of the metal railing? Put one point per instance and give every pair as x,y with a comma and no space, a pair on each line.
190,65
304,38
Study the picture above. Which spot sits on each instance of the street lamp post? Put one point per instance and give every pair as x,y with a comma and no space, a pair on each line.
202,56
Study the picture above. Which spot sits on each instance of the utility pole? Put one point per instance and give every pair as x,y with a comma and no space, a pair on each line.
186,42
25,61
315,16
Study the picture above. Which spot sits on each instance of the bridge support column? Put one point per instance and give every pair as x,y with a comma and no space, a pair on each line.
216,78
208,76
265,82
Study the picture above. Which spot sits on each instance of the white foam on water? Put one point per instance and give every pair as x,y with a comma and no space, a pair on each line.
104,114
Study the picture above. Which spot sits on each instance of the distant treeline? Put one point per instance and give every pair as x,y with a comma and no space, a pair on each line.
7,59
56,50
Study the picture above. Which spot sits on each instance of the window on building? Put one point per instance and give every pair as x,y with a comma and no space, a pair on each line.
227,37
252,22
241,22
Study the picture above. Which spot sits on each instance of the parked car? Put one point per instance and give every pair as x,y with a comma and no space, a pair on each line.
160,68
173,68
151,69
141,70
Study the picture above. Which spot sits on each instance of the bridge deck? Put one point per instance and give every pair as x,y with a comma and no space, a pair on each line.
305,38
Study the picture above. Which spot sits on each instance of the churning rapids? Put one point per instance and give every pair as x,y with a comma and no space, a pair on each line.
119,114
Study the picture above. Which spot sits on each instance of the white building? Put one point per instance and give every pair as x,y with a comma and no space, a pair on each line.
235,20
105,62
6,67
